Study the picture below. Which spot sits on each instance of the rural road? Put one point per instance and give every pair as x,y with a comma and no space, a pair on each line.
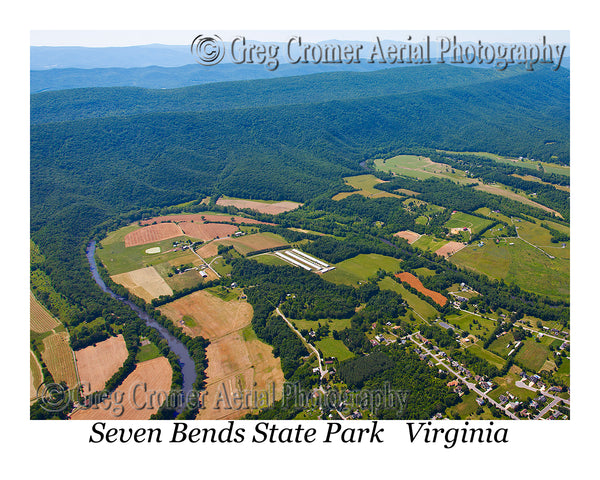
207,265
311,347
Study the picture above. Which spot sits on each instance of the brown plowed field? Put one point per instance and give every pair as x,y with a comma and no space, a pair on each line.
208,231
198,217
150,382
152,233
449,249
262,207
209,250
40,320
408,235
237,360
417,285
96,364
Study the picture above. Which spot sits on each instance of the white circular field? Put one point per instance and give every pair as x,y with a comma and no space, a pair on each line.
153,250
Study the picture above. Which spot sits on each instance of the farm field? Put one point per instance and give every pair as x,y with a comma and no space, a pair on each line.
334,348
250,243
364,184
334,323
416,284
270,207
360,268
145,283
35,375
519,263
533,354
419,306
206,231
429,243
408,235
203,217
475,325
156,374
505,192
449,249
40,319
419,167
269,259
120,259
97,363
424,272
238,360
152,234
492,358
461,220
58,357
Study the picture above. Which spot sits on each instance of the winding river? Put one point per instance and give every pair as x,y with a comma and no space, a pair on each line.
185,360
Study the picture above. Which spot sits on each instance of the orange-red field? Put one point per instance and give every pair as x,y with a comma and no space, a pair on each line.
416,284
152,233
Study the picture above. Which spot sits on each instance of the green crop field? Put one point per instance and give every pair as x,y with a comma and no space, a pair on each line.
487,355
429,244
147,352
415,303
533,354
365,184
520,263
120,259
334,348
461,220
419,167
360,268
270,259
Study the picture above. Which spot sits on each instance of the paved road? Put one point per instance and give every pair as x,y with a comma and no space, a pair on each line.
521,384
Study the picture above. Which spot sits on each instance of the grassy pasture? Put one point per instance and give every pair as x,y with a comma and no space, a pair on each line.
487,355
268,259
520,263
360,268
147,352
424,272
364,184
533,354
334,348
466,321
419,167
461,220
334,323
429,243
507,384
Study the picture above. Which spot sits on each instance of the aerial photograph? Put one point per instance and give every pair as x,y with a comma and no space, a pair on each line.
320,225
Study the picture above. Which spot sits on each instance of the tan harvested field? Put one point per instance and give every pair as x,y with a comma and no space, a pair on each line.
208,231
408,235
214,317
58,357
238,360
145,283
209,250
152,233
237,366
199,217
251,243
449,249
96,364
459,229
35,375
40,319
150,382
262,207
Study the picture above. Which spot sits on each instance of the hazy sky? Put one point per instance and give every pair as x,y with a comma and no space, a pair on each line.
107,38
